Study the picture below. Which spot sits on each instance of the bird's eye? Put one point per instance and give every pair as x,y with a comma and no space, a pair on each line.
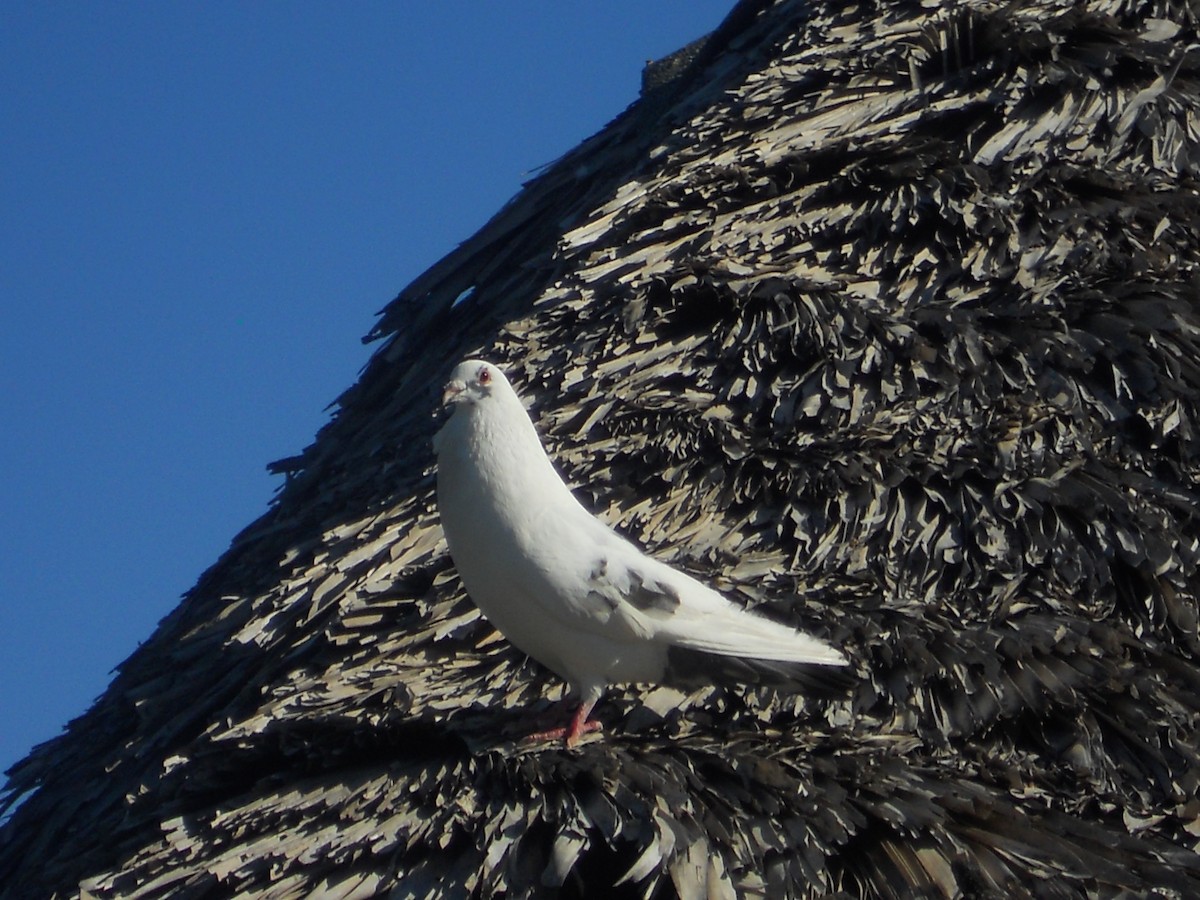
484,376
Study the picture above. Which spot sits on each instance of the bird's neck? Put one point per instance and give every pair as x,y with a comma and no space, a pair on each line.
506,449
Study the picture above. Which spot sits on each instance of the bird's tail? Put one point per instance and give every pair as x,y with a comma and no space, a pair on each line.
688,667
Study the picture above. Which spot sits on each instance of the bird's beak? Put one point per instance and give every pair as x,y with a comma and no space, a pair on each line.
452,391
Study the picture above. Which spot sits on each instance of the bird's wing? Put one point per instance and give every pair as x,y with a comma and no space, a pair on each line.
649,599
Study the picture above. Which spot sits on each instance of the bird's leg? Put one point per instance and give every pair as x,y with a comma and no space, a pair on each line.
580,725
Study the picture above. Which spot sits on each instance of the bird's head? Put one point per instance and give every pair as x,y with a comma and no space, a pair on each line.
473,382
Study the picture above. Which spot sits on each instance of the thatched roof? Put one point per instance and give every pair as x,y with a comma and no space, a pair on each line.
882,316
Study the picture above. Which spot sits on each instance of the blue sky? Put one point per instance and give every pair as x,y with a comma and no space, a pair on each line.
203,206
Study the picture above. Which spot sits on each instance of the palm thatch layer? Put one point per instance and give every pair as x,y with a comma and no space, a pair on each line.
880,316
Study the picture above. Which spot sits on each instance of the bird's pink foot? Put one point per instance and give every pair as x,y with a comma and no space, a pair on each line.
580,725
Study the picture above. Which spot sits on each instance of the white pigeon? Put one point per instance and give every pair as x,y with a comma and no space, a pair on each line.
569,591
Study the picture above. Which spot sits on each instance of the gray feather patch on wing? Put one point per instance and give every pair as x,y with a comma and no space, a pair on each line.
652,596
647,596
